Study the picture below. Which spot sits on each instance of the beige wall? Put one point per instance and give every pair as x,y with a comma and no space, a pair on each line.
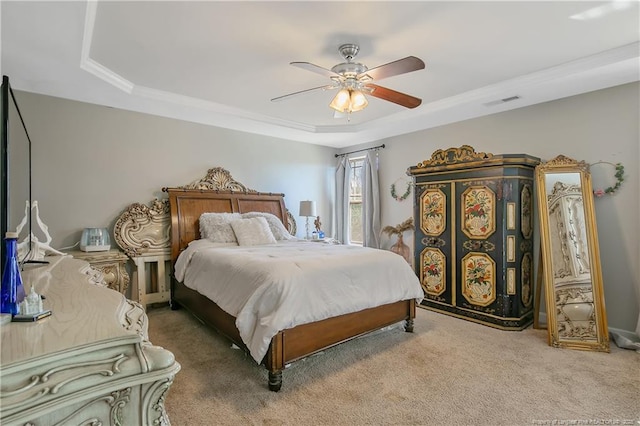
90,162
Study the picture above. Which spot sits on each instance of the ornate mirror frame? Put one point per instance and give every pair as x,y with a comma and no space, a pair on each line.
571,271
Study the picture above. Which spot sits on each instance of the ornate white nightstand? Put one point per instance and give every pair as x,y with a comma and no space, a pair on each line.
111,263
143,233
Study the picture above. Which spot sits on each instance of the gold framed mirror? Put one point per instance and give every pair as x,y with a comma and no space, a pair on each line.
571,272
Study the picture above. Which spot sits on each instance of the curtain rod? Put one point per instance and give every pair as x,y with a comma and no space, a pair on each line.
360,150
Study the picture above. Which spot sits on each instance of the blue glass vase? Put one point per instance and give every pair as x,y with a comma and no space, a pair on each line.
12,290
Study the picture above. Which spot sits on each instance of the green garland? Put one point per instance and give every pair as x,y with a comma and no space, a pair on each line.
403,196
612,189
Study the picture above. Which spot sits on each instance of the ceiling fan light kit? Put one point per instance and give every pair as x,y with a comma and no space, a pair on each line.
354,80
349,101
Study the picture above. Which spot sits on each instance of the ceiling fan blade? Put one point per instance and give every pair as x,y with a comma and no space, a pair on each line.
325,87
401,66
403,99
315,68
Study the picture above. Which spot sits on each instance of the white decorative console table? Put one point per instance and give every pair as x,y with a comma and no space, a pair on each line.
89,363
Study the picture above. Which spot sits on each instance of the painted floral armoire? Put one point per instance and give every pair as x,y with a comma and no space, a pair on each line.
474,235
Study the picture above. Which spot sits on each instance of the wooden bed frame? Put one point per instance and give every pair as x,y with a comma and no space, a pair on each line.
186,206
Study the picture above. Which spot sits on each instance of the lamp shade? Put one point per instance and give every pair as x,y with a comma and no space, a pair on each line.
347,100
358,101
341,101
307,208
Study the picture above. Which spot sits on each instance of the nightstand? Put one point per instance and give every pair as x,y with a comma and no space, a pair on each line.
111,263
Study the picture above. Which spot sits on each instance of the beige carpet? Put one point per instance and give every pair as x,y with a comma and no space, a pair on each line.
448,372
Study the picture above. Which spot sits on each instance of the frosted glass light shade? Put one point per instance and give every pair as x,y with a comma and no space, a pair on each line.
341,101
95,239
307,208
358,101
349,101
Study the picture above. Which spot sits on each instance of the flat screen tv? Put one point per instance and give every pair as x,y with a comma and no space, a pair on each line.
15,163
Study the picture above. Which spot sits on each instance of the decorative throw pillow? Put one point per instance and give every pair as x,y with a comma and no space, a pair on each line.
277,228
253,232
216,227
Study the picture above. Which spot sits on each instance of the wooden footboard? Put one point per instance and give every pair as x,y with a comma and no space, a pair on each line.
301,341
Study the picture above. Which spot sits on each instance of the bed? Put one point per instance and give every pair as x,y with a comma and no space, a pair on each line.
225,195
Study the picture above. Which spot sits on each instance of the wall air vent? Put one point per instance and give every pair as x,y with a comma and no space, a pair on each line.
502,101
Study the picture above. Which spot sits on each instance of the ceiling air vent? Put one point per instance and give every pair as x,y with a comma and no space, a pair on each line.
502,101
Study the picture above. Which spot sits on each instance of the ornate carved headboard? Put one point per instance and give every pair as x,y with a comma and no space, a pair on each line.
146,230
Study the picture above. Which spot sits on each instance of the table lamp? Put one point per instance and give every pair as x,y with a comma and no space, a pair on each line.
308,209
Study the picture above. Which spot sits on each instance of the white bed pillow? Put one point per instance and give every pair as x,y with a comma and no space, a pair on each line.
254,231
277,228
216,227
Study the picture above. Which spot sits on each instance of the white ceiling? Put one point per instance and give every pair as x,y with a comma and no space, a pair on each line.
221,63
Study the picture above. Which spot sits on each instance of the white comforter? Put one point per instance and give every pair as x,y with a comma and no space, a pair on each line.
275,287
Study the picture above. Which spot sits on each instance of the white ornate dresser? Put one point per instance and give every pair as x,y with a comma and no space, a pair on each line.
89,363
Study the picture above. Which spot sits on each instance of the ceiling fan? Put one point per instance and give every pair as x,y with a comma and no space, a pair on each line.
354,80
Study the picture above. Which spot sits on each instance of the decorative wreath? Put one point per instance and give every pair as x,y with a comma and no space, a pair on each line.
403,196
619,175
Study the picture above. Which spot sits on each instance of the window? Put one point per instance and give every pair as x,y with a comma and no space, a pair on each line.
355,200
